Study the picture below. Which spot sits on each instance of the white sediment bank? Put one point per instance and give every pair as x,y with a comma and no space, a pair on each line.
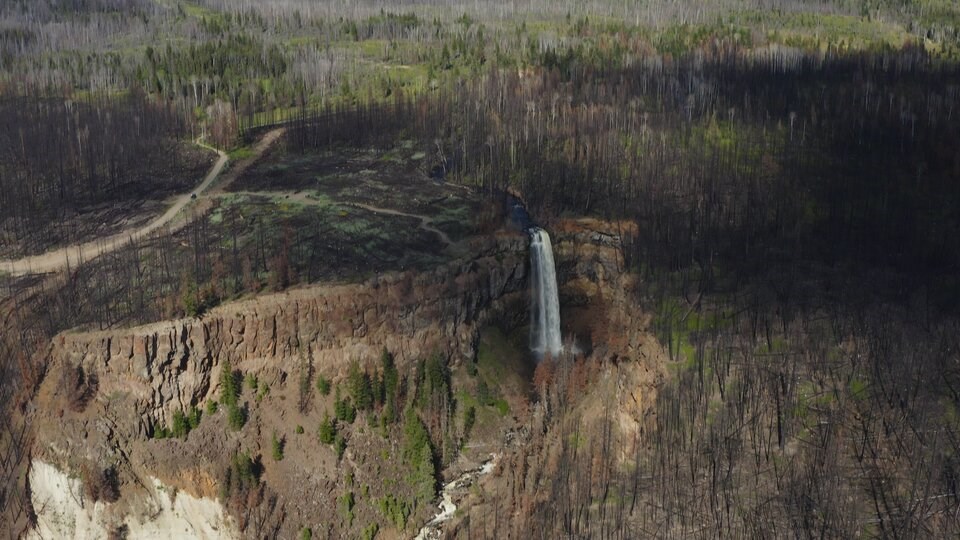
63,511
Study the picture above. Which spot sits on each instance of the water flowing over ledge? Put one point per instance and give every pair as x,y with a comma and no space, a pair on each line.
545,336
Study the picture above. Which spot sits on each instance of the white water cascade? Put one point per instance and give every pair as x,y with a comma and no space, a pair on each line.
545,305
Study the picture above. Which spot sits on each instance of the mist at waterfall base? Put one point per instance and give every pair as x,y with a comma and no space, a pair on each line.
545,336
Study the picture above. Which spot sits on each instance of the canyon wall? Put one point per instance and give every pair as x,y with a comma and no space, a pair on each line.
145,374
597,292
171,365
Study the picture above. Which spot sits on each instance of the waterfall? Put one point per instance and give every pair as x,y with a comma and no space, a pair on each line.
544,305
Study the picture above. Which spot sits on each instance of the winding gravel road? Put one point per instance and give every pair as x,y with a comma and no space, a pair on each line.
71,256
60,258
57,259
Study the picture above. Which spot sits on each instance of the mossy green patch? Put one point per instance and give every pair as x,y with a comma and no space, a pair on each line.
497,357
240,153
858,388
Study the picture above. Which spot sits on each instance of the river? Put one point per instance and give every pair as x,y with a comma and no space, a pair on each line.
454,492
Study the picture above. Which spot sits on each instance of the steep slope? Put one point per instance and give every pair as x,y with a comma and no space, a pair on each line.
108,393
110,399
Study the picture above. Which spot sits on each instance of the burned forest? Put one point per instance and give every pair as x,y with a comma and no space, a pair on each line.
296,269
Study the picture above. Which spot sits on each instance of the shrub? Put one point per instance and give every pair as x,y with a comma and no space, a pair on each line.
358,383
277,447
180,427
264,390
437,377
299,430
101,485
396,510
370,531
483,393
306,373
376,388
240,481
230,395
346,506
469,418
190,301
387,416
243,473
236,417
79,387
211,407
193,419
323,385
339,446
229,386
343,410
306,533
327,430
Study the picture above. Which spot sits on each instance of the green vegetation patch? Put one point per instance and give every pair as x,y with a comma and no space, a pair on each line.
499,359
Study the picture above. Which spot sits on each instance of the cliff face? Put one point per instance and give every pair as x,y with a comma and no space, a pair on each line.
596,291
146,374
172,365
67,512
601,310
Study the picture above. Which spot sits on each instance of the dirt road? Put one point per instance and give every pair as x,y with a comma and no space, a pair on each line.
70,256
54,260
426,223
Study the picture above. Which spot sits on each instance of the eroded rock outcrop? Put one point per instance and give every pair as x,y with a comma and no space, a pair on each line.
146,374
171,365
597,293
600,300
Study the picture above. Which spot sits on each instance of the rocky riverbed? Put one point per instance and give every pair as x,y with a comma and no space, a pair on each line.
453,492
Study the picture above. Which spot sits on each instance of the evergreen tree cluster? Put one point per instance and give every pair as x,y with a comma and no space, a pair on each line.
230,389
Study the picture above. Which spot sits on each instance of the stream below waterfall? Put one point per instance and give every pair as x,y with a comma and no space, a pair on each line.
453,492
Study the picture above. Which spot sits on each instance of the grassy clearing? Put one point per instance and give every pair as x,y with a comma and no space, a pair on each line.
326,239
311,202
816,31
240,153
